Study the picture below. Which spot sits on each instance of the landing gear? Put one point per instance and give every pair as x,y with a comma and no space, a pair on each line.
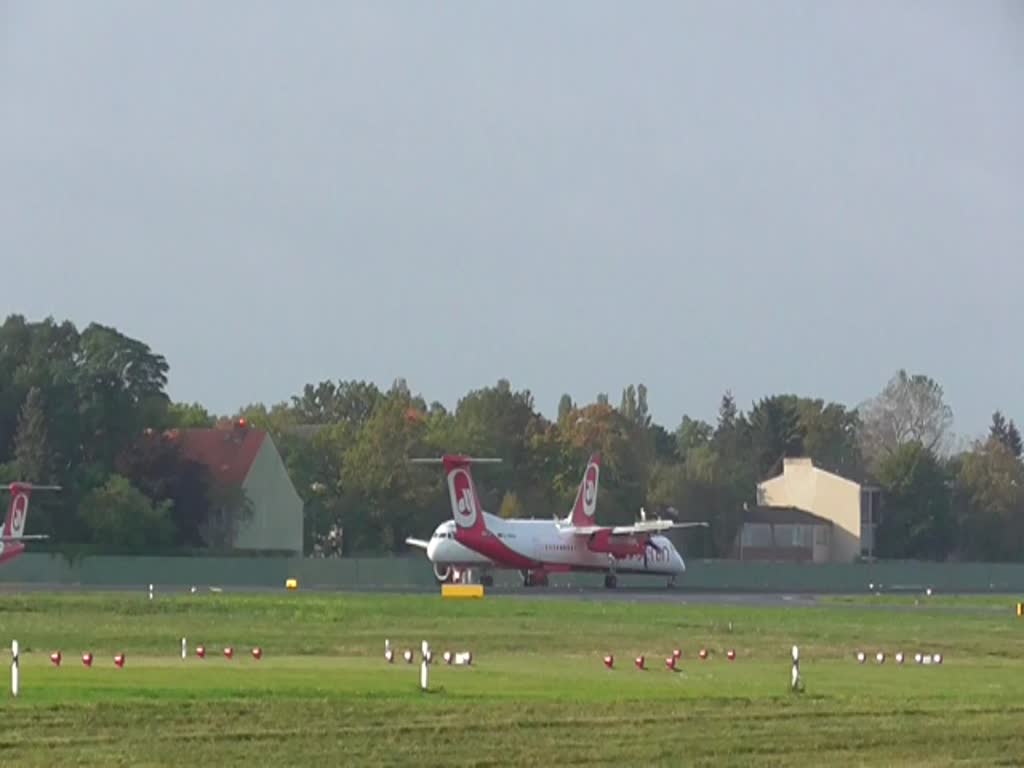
535,578
610,581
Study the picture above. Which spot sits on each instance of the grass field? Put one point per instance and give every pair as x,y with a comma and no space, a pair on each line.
537,692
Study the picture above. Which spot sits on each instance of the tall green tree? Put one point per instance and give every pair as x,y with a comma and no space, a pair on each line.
917,520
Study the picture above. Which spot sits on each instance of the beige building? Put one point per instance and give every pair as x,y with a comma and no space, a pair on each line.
852,508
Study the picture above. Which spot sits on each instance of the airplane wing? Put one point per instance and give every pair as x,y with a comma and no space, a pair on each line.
644,526
416,542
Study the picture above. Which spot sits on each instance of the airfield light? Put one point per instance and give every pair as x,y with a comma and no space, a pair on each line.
670,662
918,658
677,653
731,655
609,661
899,657
257,653
201,651
860,657
447,657
229,652
639,661
407,656
938,658
87,659
119,660
880,657
55,658
703,654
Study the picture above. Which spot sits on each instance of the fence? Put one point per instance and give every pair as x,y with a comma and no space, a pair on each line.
415,572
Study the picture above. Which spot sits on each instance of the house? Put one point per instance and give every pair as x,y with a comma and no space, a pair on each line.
240,456
853,509
783,533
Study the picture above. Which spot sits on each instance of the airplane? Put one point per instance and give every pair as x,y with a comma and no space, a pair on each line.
476,538
12,536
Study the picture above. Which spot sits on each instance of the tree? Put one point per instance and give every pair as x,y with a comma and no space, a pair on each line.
510,506
910,409
565,406
917,519
692,434
189,416
989,502
31,451
122,519
776,432
1005,433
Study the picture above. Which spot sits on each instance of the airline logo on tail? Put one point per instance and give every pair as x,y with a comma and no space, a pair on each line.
586,497
460,486
18,513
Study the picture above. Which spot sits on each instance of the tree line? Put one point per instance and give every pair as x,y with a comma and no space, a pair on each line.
88,409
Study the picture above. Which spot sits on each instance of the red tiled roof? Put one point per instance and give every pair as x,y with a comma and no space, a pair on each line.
228,451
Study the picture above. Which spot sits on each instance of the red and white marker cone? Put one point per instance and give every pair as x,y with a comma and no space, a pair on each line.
87,659
670,662
55,658
257,653
201,651
677,653
609,661
447,657
703,654
731,655
119,660
229,653
639,662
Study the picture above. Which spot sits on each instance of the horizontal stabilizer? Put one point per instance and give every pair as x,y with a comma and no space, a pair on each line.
460,459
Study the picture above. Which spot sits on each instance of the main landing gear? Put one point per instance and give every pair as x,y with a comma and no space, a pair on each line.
534,578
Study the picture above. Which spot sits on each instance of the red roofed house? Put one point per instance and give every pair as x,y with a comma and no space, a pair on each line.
241,456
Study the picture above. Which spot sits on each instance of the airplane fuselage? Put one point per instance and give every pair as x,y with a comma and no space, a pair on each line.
542,545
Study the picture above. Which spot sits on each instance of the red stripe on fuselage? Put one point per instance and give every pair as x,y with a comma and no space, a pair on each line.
489,545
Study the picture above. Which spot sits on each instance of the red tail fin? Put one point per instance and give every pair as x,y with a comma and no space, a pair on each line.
466,510
585,506
17,512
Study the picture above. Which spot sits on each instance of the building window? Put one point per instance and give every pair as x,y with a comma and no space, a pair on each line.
821,535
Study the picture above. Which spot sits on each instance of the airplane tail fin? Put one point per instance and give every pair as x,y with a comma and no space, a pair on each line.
17,512
585,505
466,509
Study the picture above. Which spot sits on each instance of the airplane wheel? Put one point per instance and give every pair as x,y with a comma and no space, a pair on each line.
610,581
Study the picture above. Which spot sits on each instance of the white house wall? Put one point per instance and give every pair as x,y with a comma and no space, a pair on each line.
277,508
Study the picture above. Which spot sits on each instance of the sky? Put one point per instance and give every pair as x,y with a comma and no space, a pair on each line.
762,197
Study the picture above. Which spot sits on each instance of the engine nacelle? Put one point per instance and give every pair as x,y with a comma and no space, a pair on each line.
442,572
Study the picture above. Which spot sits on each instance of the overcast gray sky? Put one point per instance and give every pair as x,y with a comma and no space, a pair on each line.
767,197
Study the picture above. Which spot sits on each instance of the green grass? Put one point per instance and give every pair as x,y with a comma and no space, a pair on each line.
537,692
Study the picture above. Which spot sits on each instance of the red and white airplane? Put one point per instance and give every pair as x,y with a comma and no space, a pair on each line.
477,539
12,535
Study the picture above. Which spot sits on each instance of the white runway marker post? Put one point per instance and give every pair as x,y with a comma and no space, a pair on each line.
425,667
150,591
14,667
796,669
184,649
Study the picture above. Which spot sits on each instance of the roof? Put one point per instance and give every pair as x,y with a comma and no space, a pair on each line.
228,450
782,516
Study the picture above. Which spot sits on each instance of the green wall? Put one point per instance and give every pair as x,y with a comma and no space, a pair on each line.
413,572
